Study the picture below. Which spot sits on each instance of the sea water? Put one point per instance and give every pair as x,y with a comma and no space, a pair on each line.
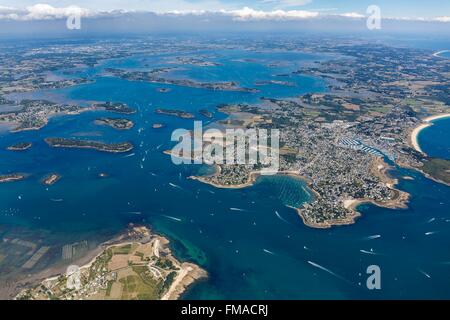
261,251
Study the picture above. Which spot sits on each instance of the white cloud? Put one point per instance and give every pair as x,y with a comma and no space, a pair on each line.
9,13
287,3
247,13
43,12
4,9
180,6
47,12
442,19
353,15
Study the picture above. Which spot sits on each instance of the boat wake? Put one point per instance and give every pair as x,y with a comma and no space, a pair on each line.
175,185
306,191
129,155
369,252
376,236
172,218
280,217
425,274
135,212
328,271
237,209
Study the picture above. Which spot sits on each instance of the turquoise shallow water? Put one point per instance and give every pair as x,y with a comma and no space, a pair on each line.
264,250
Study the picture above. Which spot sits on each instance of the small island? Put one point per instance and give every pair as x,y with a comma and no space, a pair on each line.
177,113
11,177
164,90
206,113
157,126
275,82
86,144
116,107
21,146
51,179
138,265
153,76
116,123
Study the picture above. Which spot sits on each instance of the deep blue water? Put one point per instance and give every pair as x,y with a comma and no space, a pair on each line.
433,140
445,54
253,253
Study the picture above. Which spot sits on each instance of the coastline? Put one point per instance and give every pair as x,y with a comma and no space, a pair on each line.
187,274
351,219
427,122
380,169
15,126
252,178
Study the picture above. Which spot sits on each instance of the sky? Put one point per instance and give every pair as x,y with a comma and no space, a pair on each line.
390,8
31,17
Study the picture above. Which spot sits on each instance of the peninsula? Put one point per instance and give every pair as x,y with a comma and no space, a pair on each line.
345,140
35,114
138,265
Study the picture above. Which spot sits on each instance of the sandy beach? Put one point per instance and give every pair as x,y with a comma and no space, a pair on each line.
427,122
